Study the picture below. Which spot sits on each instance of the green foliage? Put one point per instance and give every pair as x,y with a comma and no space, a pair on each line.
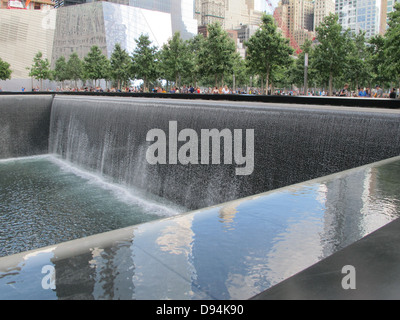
217,54
296,75
120,63
5,71
392,45
60,71
331,51
359,70
74,68
335,58
175,59
95,65
267,50
193,75
144,61
40,69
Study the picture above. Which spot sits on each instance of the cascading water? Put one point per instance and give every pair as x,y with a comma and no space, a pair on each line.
98,152
291,145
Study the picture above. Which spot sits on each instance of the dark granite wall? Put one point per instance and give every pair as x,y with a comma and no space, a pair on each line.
292,143
24,125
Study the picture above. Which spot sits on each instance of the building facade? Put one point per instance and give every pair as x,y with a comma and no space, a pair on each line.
209,11
27,4
76,28
296,20
23,33
359,15
322,8
387,6
231,14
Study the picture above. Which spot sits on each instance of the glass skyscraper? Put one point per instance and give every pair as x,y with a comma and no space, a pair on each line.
105,24
359,15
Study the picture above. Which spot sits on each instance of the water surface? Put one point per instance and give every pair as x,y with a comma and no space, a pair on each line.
44,201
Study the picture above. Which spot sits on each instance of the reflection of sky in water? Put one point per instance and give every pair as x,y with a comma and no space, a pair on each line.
262,240
240,249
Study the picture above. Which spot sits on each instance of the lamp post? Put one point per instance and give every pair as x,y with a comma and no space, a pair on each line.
305,72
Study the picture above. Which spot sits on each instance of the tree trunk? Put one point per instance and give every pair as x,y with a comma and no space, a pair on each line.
262,84
267,82
330,83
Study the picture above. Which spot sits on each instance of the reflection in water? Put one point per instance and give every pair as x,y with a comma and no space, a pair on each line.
232,251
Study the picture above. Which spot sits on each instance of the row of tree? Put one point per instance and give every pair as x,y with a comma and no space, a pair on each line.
334,58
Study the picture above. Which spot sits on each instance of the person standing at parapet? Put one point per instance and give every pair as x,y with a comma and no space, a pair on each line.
379,92
344,92
392,95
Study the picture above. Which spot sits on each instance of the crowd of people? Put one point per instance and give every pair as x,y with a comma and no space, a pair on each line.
376,92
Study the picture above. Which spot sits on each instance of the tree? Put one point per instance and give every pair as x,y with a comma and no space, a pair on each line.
377,60
120,64
5,71
267,50
194,47
175,59
144,61
95,65
330,53
240,73
60,70
74,68
217,55
40,69
297,69
359,70
392,44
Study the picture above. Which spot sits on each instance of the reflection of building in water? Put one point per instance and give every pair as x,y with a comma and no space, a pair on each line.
354,208
270,237
97,274
177,238
227,214
342,211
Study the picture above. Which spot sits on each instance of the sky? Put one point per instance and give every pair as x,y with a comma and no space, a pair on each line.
262,5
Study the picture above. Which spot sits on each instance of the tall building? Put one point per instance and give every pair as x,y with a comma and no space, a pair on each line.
210,11
322,8
241,12
26,4
76,28
296,20
359,15
387,6
22,34
231,14
240,18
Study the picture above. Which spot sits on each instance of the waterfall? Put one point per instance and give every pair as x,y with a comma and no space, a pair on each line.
291,144
24,125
